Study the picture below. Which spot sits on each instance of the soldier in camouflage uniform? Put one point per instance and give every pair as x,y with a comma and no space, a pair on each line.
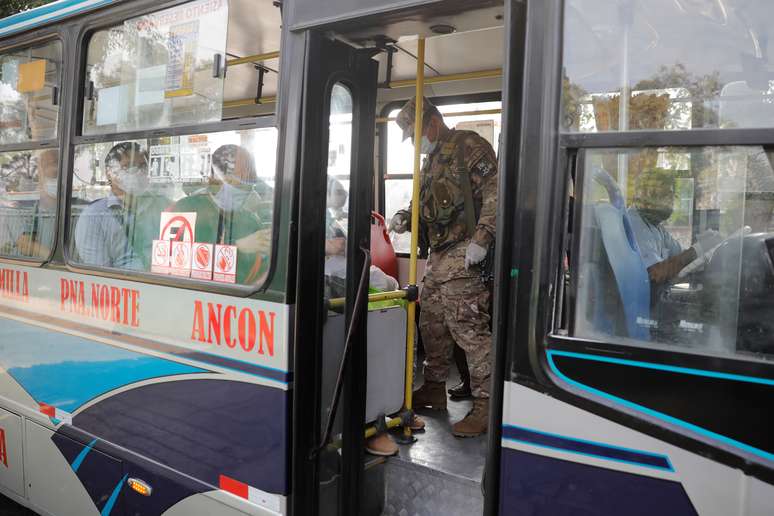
458,200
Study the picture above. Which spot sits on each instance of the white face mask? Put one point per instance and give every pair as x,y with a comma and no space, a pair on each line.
426,146
230,198
50,187
131,183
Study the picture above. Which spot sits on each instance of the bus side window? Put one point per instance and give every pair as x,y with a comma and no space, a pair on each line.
212,192
29,110
28,203
676,247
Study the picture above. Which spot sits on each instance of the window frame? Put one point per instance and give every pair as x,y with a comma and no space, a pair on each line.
382,127
27,40
106,20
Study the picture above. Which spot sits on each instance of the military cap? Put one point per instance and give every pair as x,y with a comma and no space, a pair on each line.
405,118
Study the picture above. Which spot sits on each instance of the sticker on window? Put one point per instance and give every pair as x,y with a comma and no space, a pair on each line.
225,263
202,261
161,257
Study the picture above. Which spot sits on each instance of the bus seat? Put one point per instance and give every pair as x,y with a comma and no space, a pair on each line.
624,268
382,252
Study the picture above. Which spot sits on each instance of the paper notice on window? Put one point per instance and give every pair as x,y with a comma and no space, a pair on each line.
112,105
182,45
32,76
150,85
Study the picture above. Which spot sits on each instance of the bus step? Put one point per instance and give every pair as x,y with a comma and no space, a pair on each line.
416,490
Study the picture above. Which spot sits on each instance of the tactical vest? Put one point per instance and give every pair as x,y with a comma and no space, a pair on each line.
446,196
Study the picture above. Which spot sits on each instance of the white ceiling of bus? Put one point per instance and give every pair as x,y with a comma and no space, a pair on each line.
253,28
473,51
478,44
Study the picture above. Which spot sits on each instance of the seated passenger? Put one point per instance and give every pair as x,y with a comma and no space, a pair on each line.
29,231
236,209
654,194
118,230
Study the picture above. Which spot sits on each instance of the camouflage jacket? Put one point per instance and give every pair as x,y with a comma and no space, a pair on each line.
442,204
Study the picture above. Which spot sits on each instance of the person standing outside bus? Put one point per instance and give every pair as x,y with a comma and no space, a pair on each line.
458,200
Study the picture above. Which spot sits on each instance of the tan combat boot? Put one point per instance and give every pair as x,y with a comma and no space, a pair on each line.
430,395
476,422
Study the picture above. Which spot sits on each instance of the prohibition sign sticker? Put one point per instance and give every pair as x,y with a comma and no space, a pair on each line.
225,263
181,258
179,226
160,257
201,261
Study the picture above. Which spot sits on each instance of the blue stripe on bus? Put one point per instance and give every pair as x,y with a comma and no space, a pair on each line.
645,410
81,456
32,15
113,497
662,367
588,448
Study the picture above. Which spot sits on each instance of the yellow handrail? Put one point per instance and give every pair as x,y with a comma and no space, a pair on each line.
483,74
249,102
256,58
412,306
338,302
473,112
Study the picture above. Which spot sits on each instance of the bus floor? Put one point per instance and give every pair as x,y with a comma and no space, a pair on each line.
439,473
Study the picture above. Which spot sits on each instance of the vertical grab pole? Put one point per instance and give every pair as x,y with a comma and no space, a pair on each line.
412,306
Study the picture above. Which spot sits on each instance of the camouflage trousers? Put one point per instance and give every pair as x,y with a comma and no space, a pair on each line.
456,310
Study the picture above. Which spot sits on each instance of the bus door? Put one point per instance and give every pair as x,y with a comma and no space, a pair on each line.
336,177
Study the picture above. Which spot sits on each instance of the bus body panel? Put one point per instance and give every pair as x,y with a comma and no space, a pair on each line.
49,13
557,455
179,394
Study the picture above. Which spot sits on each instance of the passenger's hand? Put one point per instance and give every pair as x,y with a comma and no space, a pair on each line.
400,222
706,241
474,255
255,243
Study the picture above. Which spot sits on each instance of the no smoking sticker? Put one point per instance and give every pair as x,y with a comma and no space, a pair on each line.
181,259
160,257
202,260
225,263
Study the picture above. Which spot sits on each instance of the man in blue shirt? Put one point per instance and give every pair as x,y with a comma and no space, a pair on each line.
654,194
118,230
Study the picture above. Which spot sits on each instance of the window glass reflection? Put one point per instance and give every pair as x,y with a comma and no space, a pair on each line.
667,64
29,93
158,70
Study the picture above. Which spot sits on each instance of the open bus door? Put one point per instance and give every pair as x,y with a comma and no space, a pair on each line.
336,153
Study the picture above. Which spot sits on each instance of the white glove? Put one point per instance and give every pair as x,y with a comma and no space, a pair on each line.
400,222
706,241
474,255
